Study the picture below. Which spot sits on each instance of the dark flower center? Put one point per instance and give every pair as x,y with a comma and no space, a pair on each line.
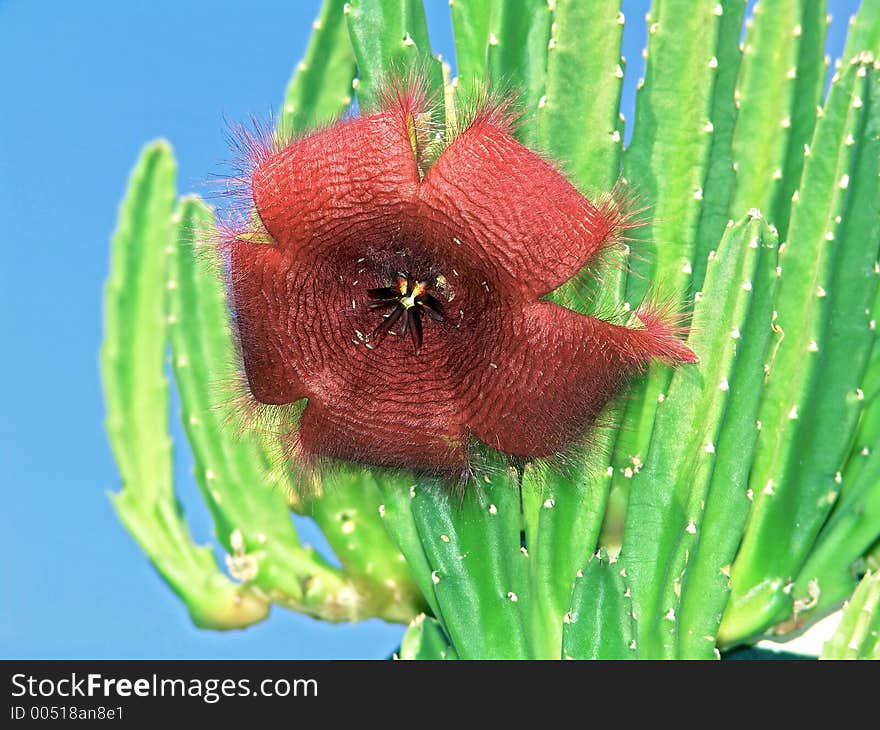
406,301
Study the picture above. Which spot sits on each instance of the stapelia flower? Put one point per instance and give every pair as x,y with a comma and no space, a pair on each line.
406,304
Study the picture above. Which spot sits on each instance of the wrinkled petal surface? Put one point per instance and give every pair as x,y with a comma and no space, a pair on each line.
526,222
416,422
547,378
343,186
262,311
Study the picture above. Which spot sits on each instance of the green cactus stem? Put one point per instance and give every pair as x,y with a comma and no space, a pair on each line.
599,623
470,24
519,37
133,368
321,87
425,639
477,565
388,37
778,91
858,635
830,572
667,160
669,494
811,403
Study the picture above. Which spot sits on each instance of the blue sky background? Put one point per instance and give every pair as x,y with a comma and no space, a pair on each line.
84,85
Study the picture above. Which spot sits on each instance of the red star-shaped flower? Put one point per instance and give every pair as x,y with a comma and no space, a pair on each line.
406,305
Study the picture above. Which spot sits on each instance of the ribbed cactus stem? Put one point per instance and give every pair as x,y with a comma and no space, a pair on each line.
599,622
858,635
425,639
520,38
725,503
811,404
720,177
663,526
477,566
388,37
854,524
778,91
470,24
579,126
671,142
321,87
346,510
133,368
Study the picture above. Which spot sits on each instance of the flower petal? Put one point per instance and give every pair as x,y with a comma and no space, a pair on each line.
345,184
521,216
261,318
552,371
381,414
